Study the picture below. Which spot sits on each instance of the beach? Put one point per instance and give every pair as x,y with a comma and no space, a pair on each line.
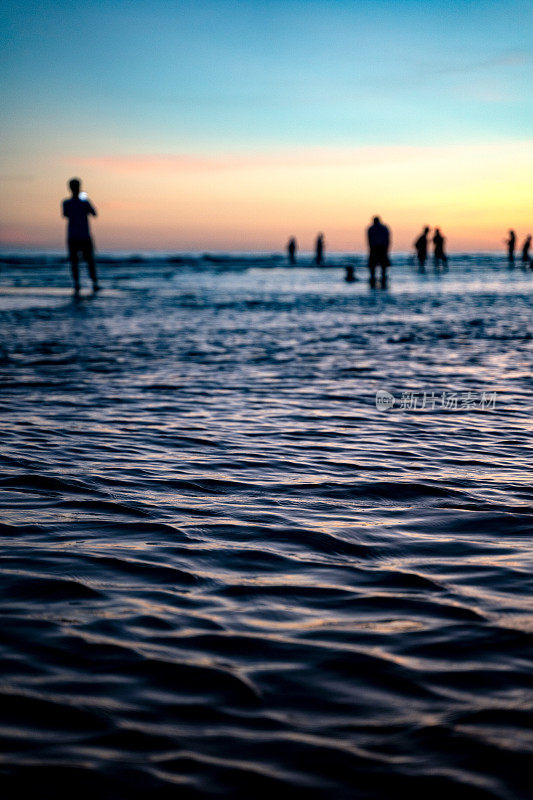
225,570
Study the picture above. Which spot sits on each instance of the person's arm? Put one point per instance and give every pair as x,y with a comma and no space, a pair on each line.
91,209
65,209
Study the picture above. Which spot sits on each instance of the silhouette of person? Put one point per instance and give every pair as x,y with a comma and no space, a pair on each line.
421,247
378,243
77,211
511,242
319,250
525,250
291,250
439,255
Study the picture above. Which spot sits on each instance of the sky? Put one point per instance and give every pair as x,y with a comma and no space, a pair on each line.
226,125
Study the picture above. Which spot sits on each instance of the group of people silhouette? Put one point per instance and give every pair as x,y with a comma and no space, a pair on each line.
77,209
292,249
379,240
421,247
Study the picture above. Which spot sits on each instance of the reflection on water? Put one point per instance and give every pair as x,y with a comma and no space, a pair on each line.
225,572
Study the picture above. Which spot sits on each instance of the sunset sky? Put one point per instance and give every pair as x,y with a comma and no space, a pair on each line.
226,125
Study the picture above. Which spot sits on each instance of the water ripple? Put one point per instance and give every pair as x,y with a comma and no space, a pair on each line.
225,572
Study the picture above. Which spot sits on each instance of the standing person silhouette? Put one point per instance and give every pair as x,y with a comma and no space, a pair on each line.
378,244
421,247
77,211
291,250
525,251
439,256
511,242
319,250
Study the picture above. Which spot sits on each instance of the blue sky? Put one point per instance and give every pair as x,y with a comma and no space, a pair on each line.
120,78
247,74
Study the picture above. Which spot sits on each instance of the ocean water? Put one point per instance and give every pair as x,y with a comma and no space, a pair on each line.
225,572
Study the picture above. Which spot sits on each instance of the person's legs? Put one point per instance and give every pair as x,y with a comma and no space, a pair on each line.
88,254
372,267
383,261
73,257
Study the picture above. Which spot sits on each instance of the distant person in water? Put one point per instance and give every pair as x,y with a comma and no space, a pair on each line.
511,243
421,247
525,251
439,255
350,273
291,250
319,250
77,210
378,244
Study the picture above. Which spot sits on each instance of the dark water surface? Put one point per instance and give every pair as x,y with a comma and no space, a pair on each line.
224,572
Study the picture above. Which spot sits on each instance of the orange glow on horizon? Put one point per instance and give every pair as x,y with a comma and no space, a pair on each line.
254,201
